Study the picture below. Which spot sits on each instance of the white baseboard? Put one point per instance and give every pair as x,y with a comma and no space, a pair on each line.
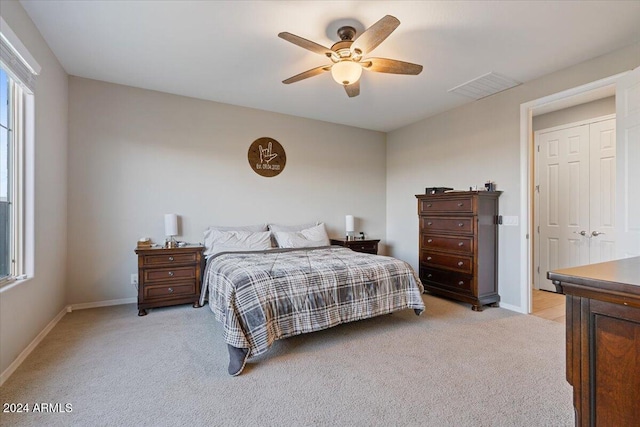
515,308
68,309
84,305
32,345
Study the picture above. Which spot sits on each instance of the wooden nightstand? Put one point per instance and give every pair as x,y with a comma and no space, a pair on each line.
366,246
168,276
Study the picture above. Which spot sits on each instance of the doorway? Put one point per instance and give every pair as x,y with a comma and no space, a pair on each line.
574,197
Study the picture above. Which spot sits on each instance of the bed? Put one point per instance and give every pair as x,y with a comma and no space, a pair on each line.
262,295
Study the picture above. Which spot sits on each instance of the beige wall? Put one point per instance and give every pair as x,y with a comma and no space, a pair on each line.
469,145
136,154
589,110
26,308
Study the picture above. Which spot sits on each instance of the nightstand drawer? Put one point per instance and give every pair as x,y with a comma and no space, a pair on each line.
462,244
170,290
368,247
164,259
457,205
164,274
447,224
461,263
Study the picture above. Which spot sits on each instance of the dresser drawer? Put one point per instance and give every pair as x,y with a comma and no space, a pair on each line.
447,224
452,205
170,290
462,244
447,279
164,274
461,263
169,259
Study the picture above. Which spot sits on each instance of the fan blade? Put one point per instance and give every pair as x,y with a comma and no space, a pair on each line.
353,89
392,66
306,74
306,44
375,34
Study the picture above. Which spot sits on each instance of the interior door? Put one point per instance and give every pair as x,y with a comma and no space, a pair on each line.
564,200
602,197
628,164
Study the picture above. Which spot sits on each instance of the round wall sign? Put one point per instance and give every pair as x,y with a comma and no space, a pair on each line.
266,157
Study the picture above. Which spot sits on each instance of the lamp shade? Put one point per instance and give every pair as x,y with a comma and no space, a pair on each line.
170,224
346,72
349,224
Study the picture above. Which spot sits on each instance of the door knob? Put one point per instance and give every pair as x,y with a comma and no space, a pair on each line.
596,233
582,233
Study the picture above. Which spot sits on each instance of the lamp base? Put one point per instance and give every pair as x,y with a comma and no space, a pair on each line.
171,243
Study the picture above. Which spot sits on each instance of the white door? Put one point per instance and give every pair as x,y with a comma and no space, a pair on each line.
602,198
563,200
628,164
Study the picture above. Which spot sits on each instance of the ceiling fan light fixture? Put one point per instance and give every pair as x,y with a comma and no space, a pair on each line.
346,72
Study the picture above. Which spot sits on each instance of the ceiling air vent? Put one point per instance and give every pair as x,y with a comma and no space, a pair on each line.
485,85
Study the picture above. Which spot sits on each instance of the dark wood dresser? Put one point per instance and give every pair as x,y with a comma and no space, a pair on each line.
359,245
459,245
603,340
168,276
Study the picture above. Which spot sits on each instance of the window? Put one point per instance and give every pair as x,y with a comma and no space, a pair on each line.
17,81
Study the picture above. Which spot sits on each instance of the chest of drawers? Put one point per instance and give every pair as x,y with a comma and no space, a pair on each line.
168,276
459,245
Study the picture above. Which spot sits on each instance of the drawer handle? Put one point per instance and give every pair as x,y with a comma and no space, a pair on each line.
428,205
460,204
460,243
171,274
429,223
429,275
460,263
170,258
429,240
428,258
461,224
170,290
460,283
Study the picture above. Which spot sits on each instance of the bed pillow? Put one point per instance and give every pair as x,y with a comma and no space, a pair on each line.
216,241
307,238
254,228
277,227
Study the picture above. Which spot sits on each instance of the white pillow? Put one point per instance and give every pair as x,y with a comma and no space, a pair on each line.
254,228
277,227
216,241
307,238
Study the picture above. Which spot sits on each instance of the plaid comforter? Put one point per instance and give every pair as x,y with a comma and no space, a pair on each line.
262,296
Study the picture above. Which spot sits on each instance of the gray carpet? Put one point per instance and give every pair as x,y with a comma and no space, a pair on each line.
449,367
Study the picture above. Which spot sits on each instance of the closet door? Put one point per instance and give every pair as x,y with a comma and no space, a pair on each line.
602,200
564,200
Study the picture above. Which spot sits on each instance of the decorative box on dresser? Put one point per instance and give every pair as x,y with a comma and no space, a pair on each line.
168,276
359,245
459,245
603,340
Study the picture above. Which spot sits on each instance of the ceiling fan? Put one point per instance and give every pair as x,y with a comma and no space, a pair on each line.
348,55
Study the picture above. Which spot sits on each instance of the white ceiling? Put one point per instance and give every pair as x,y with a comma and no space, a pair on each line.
229,51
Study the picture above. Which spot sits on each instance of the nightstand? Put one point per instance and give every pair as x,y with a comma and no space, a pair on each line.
359,245
168,276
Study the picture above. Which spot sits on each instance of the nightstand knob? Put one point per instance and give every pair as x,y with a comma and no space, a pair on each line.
171,274
429,223
170,290
460,243
429,275
460,283
428,258
429,240
460,224
460,263
460,204
170,258
429,205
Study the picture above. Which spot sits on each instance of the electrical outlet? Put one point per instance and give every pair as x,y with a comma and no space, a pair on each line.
134,279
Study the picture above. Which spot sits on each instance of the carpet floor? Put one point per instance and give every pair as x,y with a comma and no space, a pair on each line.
448,367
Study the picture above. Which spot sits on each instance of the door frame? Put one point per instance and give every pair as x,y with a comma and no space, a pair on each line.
527,148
